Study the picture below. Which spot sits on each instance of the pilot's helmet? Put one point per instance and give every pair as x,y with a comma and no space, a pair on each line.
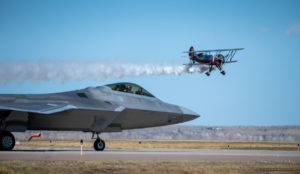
117,87
122,86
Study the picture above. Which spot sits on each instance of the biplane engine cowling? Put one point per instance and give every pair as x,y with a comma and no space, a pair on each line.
219,59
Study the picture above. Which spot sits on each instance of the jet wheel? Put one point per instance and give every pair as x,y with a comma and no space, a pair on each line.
7,140
99,145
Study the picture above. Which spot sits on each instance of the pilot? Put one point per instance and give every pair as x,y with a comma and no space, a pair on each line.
129,89
200,55
117,88
123,88
139,91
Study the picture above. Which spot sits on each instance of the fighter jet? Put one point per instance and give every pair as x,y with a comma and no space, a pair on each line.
108,108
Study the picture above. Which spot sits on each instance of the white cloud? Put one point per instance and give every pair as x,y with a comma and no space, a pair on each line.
292,30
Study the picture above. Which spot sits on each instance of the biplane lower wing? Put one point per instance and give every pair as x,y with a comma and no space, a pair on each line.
196,64
232,61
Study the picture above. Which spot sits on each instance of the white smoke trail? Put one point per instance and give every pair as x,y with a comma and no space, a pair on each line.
20,71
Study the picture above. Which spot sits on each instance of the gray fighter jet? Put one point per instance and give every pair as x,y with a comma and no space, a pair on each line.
109,108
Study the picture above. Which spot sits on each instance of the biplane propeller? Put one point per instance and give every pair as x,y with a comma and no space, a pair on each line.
213,58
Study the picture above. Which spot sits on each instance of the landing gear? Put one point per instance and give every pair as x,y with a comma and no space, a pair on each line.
219,66
222,72
7,140
99,144
209,70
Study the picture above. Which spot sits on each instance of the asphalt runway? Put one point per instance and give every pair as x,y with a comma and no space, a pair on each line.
153,154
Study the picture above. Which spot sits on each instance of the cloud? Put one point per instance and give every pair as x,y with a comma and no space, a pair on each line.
293,30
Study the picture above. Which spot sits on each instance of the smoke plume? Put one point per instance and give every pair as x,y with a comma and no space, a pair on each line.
20,71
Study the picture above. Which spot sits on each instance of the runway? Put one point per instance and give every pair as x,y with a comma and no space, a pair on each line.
153,154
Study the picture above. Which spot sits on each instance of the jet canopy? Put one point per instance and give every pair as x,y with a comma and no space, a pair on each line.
129,88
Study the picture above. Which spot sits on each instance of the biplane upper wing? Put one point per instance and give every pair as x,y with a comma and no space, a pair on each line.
217,50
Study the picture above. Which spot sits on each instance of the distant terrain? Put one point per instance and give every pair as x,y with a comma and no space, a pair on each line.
178,132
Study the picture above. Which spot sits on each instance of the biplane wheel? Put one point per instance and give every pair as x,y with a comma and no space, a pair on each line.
207,73
223,72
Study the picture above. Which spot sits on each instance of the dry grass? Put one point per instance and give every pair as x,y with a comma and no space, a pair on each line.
145,167
173,144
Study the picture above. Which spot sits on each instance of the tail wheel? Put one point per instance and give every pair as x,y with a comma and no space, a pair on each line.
7,140
99,145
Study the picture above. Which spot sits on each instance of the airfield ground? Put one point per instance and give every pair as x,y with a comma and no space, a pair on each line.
151,156
145,167
169,144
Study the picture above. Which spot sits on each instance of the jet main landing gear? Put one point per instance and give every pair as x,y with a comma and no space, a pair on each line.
99,144
7,140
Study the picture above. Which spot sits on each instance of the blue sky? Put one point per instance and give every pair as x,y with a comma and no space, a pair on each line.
261,89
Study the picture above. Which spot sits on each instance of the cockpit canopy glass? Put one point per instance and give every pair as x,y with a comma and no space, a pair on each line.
129,88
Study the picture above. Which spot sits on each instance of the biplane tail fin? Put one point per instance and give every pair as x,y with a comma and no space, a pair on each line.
191,52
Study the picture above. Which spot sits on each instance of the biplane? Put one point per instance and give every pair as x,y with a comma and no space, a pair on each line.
213,58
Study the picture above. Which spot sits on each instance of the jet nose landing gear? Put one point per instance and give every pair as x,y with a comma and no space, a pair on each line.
223,72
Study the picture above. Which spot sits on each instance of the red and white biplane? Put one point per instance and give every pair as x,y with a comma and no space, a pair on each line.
212,58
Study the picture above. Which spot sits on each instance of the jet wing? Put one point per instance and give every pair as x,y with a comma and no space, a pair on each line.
37,107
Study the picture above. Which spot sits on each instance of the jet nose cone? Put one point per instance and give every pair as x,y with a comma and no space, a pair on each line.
188,114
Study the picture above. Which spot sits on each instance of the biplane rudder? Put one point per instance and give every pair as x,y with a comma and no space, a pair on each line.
191,52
